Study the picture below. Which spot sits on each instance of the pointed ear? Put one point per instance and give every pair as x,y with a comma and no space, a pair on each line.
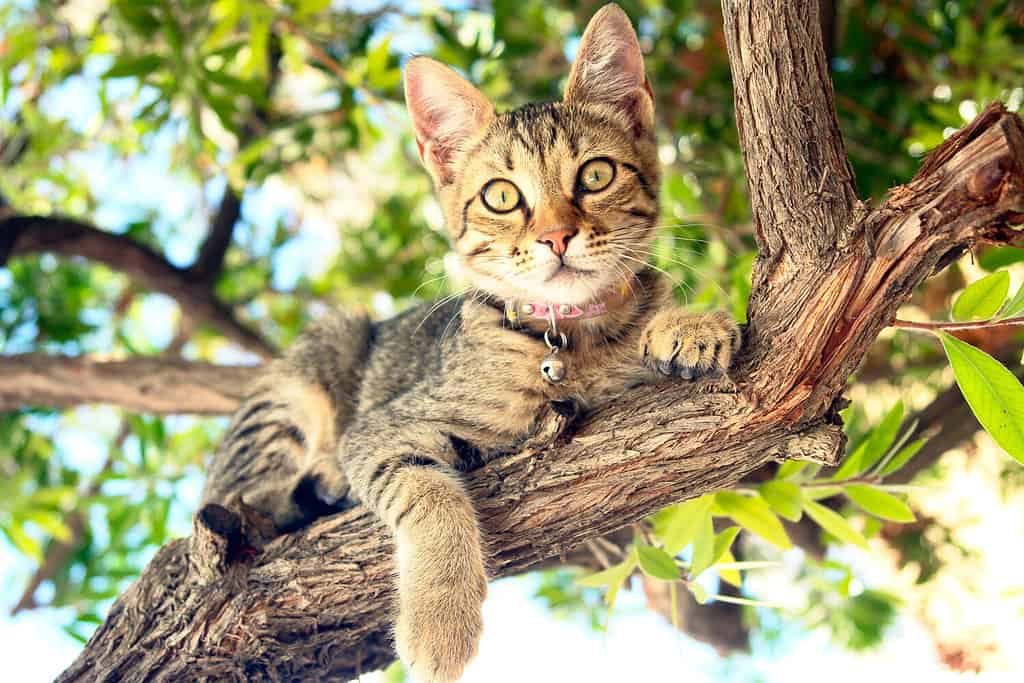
609,69
447,112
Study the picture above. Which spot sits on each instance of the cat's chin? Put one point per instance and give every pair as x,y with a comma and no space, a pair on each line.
565,286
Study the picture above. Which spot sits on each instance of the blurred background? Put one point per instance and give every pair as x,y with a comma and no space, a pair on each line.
187,182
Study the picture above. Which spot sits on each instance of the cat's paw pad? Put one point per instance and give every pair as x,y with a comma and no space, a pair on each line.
691,346
437,635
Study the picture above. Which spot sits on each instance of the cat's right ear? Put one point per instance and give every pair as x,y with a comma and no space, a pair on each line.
609,70
447,112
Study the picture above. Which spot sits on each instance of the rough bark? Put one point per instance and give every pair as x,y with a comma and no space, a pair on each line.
144,384
32,234
315,605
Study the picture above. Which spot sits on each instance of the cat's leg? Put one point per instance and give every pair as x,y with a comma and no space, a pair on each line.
278,457
689,345
402,469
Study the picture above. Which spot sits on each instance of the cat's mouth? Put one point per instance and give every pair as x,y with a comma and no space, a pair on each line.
566,273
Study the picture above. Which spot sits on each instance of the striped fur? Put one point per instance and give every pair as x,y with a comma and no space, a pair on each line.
389,414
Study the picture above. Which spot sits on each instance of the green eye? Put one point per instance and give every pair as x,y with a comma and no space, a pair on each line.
500,196
596,174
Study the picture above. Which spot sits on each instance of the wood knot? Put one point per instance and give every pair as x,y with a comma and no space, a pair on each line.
821,443
983,187
218,541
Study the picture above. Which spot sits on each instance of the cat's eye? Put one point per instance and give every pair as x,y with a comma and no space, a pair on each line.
596,174
500,196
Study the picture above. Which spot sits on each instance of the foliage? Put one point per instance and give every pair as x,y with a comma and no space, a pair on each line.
680,543
295,105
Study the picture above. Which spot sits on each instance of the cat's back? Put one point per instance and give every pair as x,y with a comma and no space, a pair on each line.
407,351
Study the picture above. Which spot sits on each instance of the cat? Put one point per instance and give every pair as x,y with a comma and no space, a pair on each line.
551,209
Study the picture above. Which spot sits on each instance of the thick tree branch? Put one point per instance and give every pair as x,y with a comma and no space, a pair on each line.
800,180
210,258
151,385
293,613
31,234
315,604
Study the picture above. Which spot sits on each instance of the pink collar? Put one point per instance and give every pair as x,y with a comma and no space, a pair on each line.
546,310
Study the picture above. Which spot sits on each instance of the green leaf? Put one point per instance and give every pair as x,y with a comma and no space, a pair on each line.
731,563
656,563
378,74
819,492
723,543
608,577
784,498
699,594
684,522
983,298
703,547
874,446
879,503
613,577
1000,257
790,469
308,8
51,522
833,522
25,544
746,601
253,88
994,394
902,457
753,514
1014,306
134,66
727,571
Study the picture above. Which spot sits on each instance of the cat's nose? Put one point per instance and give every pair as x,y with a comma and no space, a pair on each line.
557,240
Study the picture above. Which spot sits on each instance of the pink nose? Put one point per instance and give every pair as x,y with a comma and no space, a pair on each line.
557,240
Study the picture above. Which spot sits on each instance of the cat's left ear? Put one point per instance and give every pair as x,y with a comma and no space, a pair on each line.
609,69
447,113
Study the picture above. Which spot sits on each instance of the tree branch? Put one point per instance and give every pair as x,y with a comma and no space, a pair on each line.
315,604
30,234
971,325
152,385
210,258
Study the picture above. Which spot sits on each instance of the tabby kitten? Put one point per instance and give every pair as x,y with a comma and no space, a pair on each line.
551,209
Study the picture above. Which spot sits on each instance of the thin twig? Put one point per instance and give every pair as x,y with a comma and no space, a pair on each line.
938,327
328,61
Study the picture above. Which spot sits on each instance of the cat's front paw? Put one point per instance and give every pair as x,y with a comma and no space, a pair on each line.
691,346
439,627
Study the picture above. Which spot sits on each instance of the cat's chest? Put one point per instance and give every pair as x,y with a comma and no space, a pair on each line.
508,388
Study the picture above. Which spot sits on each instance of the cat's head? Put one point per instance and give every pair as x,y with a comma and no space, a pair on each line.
553,201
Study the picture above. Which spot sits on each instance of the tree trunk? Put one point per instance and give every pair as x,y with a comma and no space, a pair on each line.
316,604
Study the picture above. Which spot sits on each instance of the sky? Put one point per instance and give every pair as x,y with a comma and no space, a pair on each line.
522,641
